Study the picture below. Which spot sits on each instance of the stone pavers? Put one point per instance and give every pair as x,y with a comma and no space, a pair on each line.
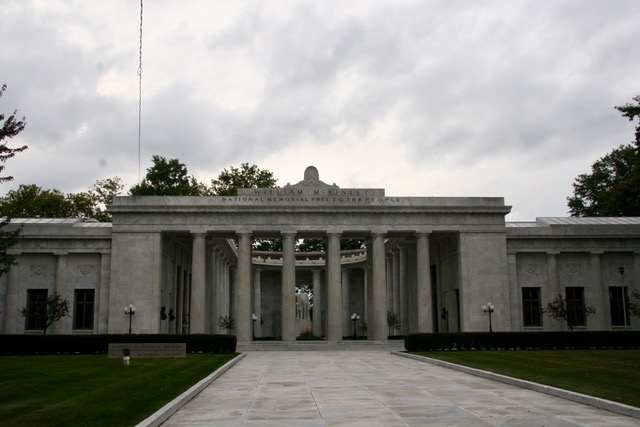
372,388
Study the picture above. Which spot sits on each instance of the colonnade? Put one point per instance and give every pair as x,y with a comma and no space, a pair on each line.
386,288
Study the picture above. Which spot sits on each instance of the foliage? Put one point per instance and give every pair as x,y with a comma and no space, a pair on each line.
48,311
613,186
10,128
393,321
267,245
228,323
102,194
631,111
560,309
31,201
247,176
168,178
99,343
521,340
320,245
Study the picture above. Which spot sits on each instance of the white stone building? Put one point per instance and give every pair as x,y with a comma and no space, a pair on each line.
185,261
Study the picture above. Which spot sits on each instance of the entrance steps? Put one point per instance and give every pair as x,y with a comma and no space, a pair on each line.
391,345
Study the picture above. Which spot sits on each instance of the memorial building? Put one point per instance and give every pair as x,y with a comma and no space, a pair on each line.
434,262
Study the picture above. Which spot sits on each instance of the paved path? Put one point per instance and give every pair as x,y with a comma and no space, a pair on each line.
372,388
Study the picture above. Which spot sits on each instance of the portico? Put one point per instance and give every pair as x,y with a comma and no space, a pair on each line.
196,255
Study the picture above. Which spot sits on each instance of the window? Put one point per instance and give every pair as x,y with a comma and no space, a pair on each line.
83,309
576,306
36,304
619,303
531,310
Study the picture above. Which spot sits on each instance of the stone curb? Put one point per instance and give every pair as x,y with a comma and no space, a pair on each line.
597,402
172,407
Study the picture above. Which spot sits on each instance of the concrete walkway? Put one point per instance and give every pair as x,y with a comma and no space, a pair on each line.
372,388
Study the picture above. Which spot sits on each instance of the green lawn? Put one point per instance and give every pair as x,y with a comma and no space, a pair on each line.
609,374
92,390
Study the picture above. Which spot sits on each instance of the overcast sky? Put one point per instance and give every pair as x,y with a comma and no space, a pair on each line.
422,98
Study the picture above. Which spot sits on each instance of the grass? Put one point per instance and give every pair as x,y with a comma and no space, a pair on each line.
92,390
608,374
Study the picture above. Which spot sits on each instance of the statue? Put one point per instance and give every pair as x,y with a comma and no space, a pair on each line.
302,305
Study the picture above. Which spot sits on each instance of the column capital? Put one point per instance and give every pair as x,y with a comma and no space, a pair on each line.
244,231
198,230
288,232
334,230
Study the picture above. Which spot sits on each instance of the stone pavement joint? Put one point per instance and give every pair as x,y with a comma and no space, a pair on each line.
365,388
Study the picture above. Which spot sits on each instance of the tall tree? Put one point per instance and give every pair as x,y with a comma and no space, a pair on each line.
31,201
632,111
11,127
613,186
247,176
168,178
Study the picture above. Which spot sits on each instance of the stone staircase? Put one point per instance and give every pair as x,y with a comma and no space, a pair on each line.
392,345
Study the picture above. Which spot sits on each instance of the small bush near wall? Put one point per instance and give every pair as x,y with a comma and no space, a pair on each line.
97,344
521,340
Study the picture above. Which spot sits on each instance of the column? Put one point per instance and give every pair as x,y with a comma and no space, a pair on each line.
423,279
317,304
62,288
389,271
345,302
377,325
11,316
257,303
598,294
395,259
334,291
552,291
102,298
288,286
402,285
243,288
198,299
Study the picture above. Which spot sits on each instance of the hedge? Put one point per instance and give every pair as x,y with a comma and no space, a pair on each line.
97,344
521,340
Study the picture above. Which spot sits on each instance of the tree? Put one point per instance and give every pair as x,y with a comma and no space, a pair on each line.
393,321
104,191
168,178
562,310
631,111
247,176
10,128
613,186
46,312
31,201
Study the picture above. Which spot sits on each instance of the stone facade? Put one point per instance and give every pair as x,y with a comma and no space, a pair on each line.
184,262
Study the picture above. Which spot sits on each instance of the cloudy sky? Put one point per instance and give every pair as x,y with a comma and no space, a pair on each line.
422,98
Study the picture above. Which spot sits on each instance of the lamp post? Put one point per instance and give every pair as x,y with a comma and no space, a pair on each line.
253,330
355,318
489,309
130,310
